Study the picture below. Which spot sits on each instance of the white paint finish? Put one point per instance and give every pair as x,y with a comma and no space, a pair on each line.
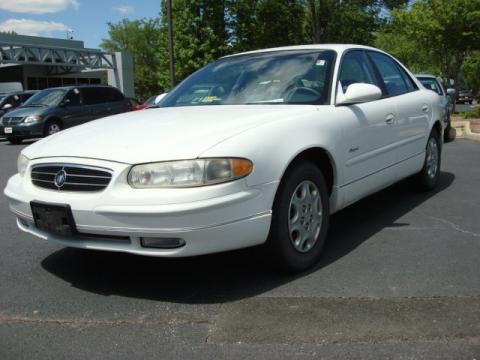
371,145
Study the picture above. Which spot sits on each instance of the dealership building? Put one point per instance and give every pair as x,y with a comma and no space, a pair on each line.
40,62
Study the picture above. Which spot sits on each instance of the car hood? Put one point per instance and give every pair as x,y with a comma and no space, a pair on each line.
159,134
25,111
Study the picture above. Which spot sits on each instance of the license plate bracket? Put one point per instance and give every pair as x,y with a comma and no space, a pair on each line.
56,219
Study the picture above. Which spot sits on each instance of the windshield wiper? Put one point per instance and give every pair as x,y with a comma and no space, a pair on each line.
34,105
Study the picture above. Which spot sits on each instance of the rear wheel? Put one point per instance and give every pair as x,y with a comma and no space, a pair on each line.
428,177
300,219
52,127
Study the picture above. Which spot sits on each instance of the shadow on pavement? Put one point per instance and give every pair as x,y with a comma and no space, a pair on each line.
234,275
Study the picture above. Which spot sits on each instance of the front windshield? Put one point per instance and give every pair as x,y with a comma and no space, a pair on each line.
2,97
286,77
48,97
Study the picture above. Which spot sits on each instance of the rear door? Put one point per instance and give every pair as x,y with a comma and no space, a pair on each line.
116,102
94,99
412,107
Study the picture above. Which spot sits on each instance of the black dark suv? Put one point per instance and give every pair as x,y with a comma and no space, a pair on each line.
54,109
10,101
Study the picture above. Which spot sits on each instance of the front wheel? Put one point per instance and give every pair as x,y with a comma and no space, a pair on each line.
14,141
428,177
300,219
52,127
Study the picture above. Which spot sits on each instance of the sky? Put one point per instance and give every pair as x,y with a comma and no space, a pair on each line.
87,18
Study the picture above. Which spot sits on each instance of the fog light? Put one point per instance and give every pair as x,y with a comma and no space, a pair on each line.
162,243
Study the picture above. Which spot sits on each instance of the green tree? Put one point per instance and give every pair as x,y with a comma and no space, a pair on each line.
143,40
257,24
439,34
200,34
471,72
341,21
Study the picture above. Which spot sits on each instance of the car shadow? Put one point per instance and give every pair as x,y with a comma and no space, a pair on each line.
233,275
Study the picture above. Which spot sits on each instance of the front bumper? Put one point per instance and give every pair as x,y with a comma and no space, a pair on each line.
209,219
22,130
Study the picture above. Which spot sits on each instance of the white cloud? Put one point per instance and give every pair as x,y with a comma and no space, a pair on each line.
33,27
37,6
124,9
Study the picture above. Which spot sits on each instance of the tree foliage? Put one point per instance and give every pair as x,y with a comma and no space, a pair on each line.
438,36
142,39
435,35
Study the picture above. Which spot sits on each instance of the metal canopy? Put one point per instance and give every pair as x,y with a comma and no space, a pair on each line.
22,54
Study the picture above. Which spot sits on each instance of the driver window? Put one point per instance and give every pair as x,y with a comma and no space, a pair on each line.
355,70
74,97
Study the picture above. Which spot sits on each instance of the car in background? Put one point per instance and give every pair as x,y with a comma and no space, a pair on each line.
254,148
11,101
434,83
465,97
54,109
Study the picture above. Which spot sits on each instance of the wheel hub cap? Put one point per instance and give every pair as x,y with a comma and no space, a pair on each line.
305,216
432,158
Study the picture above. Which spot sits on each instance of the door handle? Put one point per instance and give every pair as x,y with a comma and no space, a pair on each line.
390,119
425,108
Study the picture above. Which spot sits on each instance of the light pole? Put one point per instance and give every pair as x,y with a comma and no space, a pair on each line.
171,54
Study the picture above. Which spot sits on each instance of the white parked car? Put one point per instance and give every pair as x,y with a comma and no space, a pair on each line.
255,148
434,83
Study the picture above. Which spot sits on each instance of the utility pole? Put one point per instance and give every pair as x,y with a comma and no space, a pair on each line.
171,55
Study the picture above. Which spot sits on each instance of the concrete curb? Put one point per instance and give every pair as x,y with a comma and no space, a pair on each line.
463,130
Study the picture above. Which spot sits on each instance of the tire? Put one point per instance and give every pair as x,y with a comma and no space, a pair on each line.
449,134
427,178
14,141
297,214
52,127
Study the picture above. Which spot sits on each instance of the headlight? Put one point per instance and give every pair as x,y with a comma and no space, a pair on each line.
188,173
32,119
22,163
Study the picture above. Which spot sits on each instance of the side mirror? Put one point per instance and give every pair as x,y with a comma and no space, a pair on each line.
358,93
451,91
64,103
7,106
159,98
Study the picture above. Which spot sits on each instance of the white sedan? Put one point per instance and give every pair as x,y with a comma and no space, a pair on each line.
255,148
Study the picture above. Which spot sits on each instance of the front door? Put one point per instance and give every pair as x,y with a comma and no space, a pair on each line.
368,132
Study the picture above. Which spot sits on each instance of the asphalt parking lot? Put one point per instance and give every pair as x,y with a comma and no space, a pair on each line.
400,278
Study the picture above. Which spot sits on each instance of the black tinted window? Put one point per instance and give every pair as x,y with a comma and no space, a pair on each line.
390,74
73,97
93,96
113,94
355,69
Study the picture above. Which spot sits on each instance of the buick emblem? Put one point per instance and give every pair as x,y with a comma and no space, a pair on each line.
60,178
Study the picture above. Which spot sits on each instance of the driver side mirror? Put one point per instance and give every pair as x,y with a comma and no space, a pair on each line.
357,93
65,102
451,91
7,106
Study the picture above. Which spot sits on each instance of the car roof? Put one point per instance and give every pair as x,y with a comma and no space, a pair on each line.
79,86
19,92
340,48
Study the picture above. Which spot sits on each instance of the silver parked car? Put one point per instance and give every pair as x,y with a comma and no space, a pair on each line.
434,83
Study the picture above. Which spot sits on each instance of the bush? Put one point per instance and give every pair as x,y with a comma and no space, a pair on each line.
473,114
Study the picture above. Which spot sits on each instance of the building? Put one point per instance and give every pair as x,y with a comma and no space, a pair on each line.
40,62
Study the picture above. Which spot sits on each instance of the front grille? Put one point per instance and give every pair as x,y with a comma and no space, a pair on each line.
69,177
12,120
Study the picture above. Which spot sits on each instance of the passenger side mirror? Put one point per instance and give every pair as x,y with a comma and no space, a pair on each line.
358,93
7,106
451,91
